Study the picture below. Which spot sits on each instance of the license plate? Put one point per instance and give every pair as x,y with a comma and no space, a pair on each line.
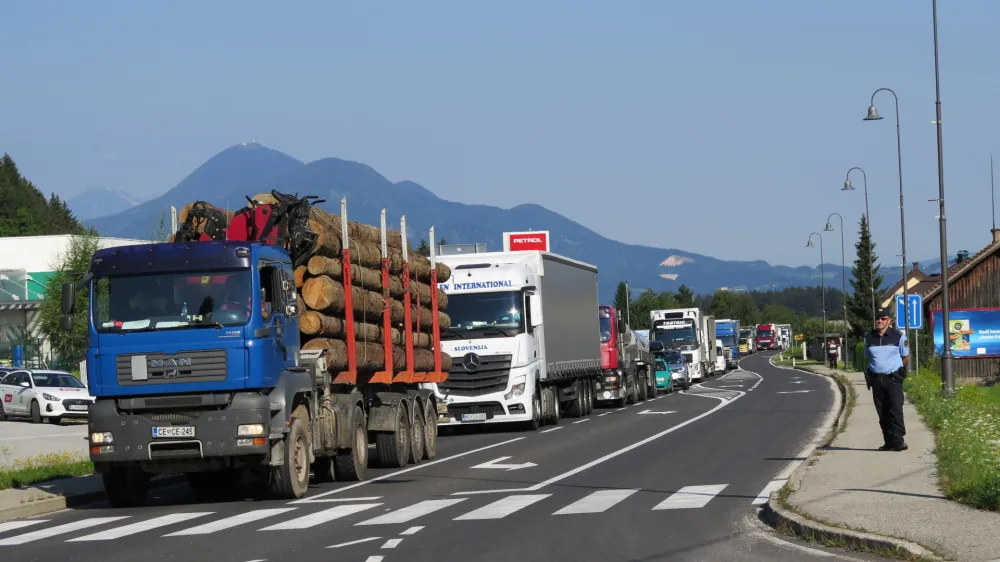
474,417
78,407
176,431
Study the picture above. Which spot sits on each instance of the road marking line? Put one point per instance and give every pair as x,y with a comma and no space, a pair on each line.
366,499
619,409
374,559
359,541
602,415
315,499
412,530
764,494
141,526
722,404
59,530
324,516
12,525
598,502
553,429
583,420
230,522
392,543
502,508
795,392
411,512
691,497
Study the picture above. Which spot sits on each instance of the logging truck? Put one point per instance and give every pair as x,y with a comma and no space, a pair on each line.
524,338
199,366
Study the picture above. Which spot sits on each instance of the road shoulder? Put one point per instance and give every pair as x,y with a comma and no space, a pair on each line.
849,493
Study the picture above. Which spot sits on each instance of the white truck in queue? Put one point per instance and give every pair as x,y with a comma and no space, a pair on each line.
524,338
683,330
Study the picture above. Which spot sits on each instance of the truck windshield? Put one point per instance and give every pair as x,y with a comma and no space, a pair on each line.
765,334
485,315
172,301
605,329
683,337
728,340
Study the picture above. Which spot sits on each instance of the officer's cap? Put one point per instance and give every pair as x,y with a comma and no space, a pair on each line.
885,313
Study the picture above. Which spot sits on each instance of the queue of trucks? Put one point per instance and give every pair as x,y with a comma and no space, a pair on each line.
219,395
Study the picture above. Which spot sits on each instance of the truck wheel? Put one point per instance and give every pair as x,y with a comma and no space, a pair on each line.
126,486
322,469
642,388
554,414
630,394
352,464
394,447
577,409
536,412
430,430
588,397
417,436
291,479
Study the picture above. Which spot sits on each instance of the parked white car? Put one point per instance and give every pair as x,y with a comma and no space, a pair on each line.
43,395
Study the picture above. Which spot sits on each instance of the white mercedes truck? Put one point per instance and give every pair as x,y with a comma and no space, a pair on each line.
525,339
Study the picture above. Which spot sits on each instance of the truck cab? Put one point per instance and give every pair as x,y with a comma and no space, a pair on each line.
193,348
625,360
681,330
767,337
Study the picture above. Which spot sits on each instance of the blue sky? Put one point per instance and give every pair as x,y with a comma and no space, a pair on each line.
723,128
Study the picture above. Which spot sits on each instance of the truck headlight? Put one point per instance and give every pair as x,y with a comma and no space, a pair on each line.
517,388
49,397
104,437
250,429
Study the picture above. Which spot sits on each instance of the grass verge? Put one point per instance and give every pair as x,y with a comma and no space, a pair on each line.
41,468
966,427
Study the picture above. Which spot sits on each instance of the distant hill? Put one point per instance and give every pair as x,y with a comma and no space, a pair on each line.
99,201
243,170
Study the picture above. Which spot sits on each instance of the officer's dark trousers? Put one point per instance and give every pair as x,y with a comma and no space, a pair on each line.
887,390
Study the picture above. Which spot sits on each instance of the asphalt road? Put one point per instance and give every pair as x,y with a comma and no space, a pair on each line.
673,478
19,438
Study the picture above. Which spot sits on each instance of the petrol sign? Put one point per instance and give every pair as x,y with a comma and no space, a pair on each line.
534,240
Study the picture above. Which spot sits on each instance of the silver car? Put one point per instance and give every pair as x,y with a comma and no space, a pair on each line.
679,368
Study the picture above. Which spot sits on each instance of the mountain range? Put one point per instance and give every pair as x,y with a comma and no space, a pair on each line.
99,201
249,168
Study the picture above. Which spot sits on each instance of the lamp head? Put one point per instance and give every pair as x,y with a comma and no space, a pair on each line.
829,228
847,186
872,114
809,244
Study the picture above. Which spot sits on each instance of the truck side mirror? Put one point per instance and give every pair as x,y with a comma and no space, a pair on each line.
68,298
655,347
621,325
535,306
66,323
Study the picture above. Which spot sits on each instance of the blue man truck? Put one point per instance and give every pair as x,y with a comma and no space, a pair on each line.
728,331
198,365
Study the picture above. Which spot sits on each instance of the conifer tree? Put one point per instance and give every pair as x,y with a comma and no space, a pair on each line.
867,283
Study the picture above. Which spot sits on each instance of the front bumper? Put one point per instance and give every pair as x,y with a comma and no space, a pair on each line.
67,408
510,406
199,434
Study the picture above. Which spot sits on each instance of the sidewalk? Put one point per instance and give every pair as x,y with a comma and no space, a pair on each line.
852,485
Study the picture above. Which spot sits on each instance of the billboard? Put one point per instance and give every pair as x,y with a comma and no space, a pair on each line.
526,241
972,332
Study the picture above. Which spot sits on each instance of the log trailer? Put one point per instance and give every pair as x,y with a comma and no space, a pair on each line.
194,356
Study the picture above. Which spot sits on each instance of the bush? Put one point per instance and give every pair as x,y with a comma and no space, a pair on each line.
967,430
32,470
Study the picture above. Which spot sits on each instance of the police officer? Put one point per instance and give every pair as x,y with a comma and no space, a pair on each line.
888,353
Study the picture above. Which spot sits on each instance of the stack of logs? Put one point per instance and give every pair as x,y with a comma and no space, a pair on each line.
320,283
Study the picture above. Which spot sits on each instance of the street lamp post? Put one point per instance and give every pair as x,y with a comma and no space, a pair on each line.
843,275
868,218
822,276
628,306
874,116
947,374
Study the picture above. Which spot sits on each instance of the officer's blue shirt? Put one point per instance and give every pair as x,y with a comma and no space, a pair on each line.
885,353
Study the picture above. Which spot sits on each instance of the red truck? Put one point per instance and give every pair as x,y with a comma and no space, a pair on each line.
767,336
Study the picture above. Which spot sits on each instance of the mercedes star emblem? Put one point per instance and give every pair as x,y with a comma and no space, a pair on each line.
471,361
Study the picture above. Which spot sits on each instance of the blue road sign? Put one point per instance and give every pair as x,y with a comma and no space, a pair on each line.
915,311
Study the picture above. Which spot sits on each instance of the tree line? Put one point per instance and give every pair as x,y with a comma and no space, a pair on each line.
24,209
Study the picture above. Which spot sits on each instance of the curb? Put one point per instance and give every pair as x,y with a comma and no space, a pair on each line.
59,503
778,516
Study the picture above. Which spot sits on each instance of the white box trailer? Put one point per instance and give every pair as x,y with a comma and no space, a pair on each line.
524,338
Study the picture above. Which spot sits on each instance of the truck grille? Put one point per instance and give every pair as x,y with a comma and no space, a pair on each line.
476,375
187,366
728,353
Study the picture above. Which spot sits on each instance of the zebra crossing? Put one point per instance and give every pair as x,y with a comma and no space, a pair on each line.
195,523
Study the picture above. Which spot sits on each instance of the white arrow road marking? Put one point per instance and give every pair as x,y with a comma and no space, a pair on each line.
509,467
796,382
795,392
652,412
